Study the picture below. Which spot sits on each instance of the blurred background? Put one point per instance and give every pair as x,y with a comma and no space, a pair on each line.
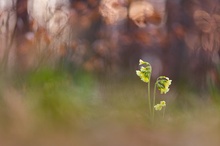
67,72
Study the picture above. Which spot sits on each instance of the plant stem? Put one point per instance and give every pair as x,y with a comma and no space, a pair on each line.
149,99
154,98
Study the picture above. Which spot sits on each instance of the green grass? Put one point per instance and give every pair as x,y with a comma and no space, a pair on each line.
58,107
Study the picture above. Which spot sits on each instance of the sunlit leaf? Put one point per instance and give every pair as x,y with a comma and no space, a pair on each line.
203,20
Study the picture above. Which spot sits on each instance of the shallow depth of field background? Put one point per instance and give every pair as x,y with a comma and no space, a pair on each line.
89,94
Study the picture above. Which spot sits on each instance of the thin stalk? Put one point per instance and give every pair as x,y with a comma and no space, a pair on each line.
154,98
149,99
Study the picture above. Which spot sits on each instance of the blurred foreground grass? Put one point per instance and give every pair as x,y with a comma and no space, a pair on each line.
54,107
